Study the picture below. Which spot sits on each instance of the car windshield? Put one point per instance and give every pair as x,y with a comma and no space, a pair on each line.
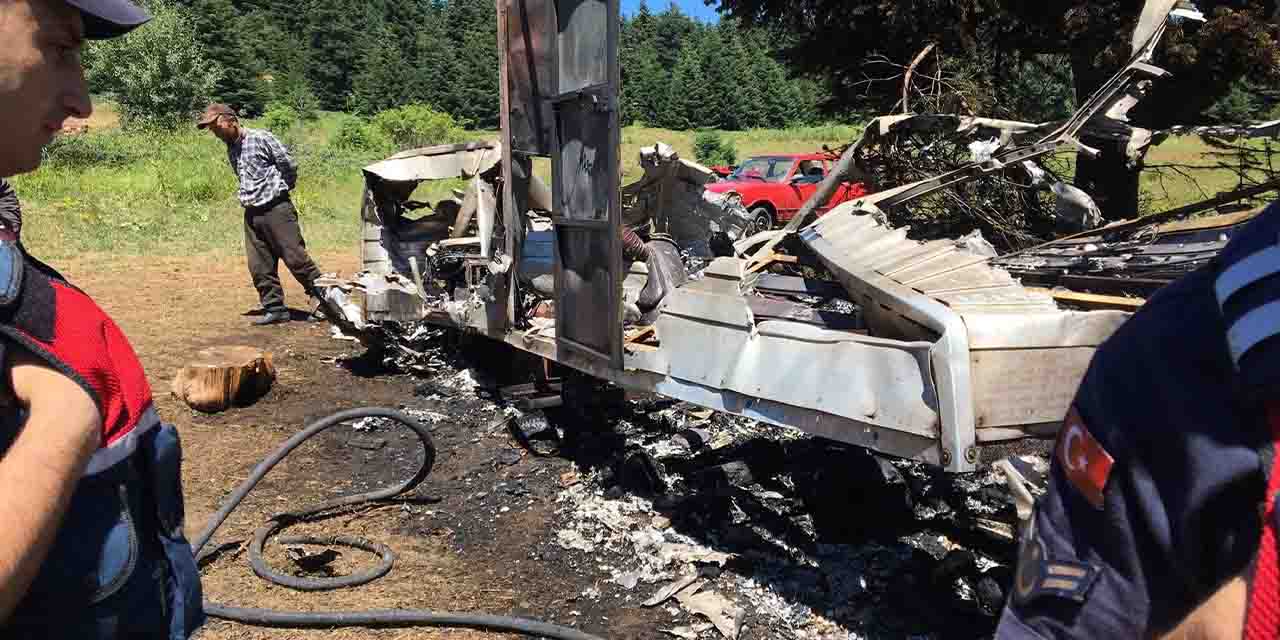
769,169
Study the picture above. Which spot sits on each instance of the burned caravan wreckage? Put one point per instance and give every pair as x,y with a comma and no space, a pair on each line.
843,327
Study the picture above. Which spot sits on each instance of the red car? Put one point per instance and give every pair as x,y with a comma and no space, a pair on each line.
774,187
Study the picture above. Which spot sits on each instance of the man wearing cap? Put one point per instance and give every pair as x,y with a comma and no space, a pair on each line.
266,174
1160,516
91,542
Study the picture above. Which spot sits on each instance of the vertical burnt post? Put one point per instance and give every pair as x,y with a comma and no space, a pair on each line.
510,214
526,38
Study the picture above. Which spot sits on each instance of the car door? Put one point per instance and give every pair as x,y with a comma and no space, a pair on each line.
845,191
801,185
842,190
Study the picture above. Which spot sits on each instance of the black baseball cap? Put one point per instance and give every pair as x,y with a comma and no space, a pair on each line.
109,18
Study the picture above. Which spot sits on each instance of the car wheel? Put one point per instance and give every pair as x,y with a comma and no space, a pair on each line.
761,220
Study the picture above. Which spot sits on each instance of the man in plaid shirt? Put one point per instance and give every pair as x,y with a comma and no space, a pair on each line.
266,174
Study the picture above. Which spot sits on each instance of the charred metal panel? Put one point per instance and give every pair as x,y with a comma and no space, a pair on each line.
586,201
585,284
584,168
1002,355
529,34
586,43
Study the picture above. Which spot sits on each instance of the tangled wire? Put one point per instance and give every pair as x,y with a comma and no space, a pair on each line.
1010,209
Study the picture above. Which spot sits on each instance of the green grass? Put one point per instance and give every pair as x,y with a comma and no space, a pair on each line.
111,191
173,193
1168,189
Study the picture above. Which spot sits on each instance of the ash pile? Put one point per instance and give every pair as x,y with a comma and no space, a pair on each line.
734,529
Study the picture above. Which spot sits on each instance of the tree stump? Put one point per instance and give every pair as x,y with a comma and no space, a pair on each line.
222,377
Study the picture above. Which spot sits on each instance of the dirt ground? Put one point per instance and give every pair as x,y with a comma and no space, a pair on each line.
171,307
487,530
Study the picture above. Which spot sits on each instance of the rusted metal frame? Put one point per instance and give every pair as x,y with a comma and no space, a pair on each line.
1145,286
795,285
1107,93
578,94
598,225
1157,218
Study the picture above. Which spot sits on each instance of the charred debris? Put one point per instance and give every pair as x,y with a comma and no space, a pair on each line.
712,475
966,226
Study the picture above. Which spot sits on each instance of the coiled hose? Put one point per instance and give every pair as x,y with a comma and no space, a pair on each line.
388,617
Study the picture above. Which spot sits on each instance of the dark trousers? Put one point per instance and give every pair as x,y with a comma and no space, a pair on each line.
271,234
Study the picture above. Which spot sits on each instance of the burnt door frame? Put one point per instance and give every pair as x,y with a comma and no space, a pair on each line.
589,315
582,101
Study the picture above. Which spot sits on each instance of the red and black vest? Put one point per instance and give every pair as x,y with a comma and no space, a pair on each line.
120,566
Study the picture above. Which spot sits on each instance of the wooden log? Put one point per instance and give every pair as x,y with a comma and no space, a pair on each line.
221,377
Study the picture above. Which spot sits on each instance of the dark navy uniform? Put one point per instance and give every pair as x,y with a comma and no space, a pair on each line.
1158,473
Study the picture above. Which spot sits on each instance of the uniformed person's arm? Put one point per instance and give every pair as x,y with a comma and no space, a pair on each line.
1152,503
39,472
1219,618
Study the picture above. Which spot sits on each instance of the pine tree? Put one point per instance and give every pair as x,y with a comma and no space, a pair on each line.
746,109
434,66
471,90
717,108
380,82
216,26
672,30
334,30
775,99
688,87
645,82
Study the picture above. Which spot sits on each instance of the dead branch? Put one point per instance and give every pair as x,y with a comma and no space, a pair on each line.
911,69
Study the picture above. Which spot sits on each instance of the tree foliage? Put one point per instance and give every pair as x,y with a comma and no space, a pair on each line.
371,56
989,46
844,39
160,75
679,73
713,149
217,31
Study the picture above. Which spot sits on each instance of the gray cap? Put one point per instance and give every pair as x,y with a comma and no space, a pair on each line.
109,18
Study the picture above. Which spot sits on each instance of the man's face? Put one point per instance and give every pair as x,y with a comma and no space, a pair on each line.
226,128
41,78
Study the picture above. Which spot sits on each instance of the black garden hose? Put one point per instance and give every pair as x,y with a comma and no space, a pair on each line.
374,618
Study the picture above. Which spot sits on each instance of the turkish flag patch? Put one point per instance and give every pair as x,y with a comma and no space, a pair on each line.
1086,464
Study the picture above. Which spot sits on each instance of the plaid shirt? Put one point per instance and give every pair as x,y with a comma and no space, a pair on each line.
263,166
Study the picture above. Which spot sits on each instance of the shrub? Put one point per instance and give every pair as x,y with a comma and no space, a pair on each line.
712,148
293,90
160,75
279,117
357,134
418,125
112,148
